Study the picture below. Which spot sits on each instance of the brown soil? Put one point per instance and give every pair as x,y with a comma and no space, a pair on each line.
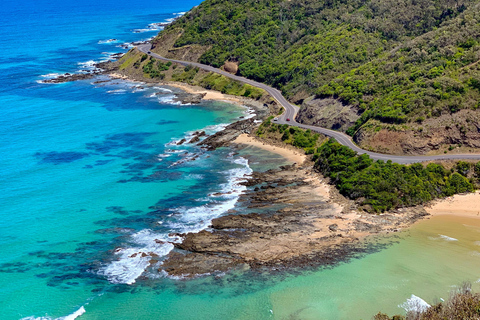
453,133
231,67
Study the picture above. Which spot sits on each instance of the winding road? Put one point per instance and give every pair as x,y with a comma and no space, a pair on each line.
291,111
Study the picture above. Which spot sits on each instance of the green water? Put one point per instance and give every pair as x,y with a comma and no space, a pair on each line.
421,263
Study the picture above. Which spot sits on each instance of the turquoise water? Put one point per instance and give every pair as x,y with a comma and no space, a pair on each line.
91,174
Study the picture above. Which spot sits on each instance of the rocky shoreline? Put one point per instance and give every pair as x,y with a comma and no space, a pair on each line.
290,224
98,69
290,217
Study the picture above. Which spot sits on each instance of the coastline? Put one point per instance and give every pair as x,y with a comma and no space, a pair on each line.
290,154
209,94
338,228
204,94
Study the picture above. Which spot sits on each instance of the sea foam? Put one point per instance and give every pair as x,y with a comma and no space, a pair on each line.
133,261
72,316
447,238
415,304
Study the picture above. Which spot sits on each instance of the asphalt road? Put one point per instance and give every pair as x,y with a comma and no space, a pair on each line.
291,111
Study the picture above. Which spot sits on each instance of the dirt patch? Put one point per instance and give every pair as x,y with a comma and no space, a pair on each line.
231,67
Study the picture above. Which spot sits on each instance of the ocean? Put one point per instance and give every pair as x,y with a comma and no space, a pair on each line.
91,174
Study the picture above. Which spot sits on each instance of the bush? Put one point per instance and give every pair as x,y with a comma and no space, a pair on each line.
386,185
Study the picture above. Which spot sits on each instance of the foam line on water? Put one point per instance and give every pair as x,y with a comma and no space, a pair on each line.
447,238
72,316
415,304
132,262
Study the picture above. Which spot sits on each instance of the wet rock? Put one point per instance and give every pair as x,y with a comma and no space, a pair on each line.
333,227
230,133
189,98
179,143
193,264
69,77
194,139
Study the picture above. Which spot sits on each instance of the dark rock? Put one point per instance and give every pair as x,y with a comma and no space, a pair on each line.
194,139
333,227
328,113
189,98
230,133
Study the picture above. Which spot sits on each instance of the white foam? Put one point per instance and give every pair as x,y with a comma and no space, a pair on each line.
133,261
72,316
215,128
163,89
87,64
249,112
415,304
108,41
199,218
443,237
169,100
475,253
51,75
447,238
147,30
117,91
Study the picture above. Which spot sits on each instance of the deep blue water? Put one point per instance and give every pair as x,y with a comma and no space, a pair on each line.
90,172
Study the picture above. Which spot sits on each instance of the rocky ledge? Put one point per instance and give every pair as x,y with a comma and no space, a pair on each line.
227,135
189,98
99,68
291,222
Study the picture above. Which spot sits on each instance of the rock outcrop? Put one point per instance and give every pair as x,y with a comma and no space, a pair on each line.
189,98
327,113
287,223
448,133
227,135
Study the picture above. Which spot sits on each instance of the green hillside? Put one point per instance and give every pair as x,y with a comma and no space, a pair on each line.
397,61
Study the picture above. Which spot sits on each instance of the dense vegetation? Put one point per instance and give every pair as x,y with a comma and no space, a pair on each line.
462,305
154,68
376,185
303,139
399,61
380,185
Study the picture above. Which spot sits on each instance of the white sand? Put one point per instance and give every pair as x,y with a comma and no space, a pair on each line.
291,155
467,205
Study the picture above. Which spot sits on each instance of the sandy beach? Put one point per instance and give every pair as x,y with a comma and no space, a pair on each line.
292,155
209,94
466,205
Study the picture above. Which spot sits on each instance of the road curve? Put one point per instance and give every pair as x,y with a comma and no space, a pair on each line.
291,111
